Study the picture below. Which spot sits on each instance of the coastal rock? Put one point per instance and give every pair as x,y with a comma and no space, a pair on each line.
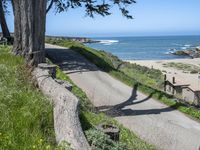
198,48
194,53
181,53
77,39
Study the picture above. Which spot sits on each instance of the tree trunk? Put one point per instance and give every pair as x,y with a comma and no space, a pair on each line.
3,23
29,34
17,46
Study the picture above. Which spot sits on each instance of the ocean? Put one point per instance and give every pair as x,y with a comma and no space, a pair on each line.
146,48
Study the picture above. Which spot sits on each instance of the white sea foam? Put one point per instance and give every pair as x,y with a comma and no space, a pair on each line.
184,48
108,42
176,44
187,45
169,53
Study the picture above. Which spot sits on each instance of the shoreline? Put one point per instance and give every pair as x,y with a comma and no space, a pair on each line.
147,63
176,59
182,76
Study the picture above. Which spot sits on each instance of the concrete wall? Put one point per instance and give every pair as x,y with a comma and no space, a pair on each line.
197,98
169,89
178,90
188,95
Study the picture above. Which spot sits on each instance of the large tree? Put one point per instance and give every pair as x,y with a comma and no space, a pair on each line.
30,17
29,32
3,11
3,23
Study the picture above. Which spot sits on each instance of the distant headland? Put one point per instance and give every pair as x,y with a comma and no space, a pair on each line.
77,39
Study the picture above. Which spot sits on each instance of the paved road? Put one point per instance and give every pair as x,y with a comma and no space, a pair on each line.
154,122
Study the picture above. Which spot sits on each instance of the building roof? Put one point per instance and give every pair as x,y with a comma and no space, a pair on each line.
176,82
182,83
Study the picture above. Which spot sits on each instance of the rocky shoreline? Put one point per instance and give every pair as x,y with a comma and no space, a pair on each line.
193,53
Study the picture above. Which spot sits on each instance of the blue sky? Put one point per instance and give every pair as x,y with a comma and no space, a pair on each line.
151,17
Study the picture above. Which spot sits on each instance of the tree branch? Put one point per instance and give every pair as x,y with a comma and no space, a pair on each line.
50,6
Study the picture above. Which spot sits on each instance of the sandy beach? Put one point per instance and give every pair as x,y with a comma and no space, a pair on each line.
181,76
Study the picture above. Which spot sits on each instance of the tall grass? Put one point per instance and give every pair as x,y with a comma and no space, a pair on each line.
26,117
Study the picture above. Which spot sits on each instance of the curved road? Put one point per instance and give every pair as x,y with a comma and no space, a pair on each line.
154,122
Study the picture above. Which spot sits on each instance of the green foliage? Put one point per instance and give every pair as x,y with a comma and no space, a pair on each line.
90,120
150,77
26,117
123,72
92,7
100,141
184,67
64,146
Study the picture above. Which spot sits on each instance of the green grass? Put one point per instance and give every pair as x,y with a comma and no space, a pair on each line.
26,116
182,66
112,65
89,119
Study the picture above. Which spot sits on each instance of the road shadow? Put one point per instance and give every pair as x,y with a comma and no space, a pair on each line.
69,61
120,110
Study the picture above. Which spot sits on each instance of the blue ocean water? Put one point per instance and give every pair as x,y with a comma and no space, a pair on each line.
146,48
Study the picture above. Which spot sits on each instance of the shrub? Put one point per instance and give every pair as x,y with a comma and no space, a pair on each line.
100,141
194,72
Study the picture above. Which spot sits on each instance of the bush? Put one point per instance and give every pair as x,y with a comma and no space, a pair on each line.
194,72
100,141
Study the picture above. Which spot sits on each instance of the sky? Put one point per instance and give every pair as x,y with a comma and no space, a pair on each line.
151,18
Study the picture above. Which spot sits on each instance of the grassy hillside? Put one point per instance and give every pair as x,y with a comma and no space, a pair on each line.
149,81
26,117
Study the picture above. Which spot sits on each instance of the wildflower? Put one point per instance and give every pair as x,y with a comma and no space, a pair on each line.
41,140
48,147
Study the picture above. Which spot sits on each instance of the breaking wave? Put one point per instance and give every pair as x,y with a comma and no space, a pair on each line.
108,42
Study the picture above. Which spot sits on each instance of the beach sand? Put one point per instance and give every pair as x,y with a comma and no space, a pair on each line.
180,76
